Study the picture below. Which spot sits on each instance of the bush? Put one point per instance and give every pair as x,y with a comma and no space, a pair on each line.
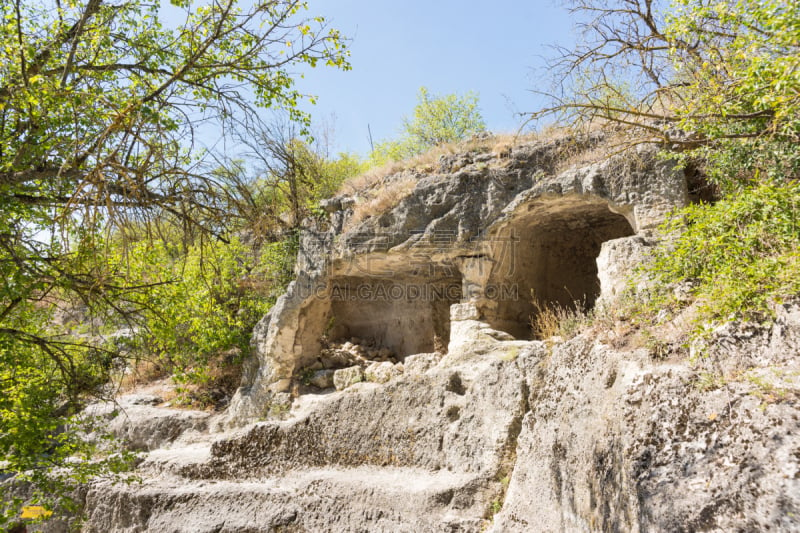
742,252
436,120
204,301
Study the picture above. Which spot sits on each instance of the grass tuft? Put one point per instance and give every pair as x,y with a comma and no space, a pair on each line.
557,320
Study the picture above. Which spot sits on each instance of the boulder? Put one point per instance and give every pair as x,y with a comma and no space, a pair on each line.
345,377
382,372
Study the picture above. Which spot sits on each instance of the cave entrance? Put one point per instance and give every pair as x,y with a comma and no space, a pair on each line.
406,314
550,253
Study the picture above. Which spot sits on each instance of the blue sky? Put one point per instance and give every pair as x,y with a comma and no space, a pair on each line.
450,46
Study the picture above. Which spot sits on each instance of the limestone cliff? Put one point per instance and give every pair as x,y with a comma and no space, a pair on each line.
481,226
396,386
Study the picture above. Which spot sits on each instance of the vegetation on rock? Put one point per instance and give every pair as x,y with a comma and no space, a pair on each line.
741,254
436,120
716,84
100,105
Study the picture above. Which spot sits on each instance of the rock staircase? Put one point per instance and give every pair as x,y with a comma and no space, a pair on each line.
424,452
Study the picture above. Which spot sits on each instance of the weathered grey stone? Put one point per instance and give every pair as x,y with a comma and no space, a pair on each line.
345,377
457,418
143,399
351,500
586,437
448,233
322,379
140,426
382,372
421,362
464,311
617,442
331,205
616,264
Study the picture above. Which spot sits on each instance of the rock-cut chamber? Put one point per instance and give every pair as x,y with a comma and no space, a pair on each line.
549,252
406,314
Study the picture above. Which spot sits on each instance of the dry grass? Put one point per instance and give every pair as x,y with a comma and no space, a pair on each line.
613,139
221,375
556,320
579,155
429,161
376,193
143,372
379,200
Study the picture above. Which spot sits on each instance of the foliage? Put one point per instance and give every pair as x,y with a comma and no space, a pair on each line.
291,175
277,260
39,433
436,120
716,79
388,151
741,86
443,119
97,99
742,252
99,107
336,171
198,303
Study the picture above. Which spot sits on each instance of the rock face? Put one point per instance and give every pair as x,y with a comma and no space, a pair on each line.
421,453
142,426
617,442
396,386
485,229
525,436
345,377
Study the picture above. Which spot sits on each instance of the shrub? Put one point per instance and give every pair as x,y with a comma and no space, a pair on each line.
436,120
382,199
743,252
202,302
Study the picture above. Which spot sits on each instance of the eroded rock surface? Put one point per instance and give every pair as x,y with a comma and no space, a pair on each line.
448,415
487,229
143,426
617,442
421,453
527,436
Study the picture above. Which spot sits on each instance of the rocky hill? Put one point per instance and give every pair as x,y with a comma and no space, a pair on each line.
396,385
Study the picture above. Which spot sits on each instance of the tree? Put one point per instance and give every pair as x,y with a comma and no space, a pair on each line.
436,120
100,105
291,173
715,83
443,119
723,72
740,91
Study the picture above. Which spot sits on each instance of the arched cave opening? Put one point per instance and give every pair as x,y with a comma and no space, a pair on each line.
550,253
406,314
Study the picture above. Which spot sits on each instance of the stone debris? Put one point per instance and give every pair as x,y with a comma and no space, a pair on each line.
383,372
346,377
354,352
420,363
322,379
